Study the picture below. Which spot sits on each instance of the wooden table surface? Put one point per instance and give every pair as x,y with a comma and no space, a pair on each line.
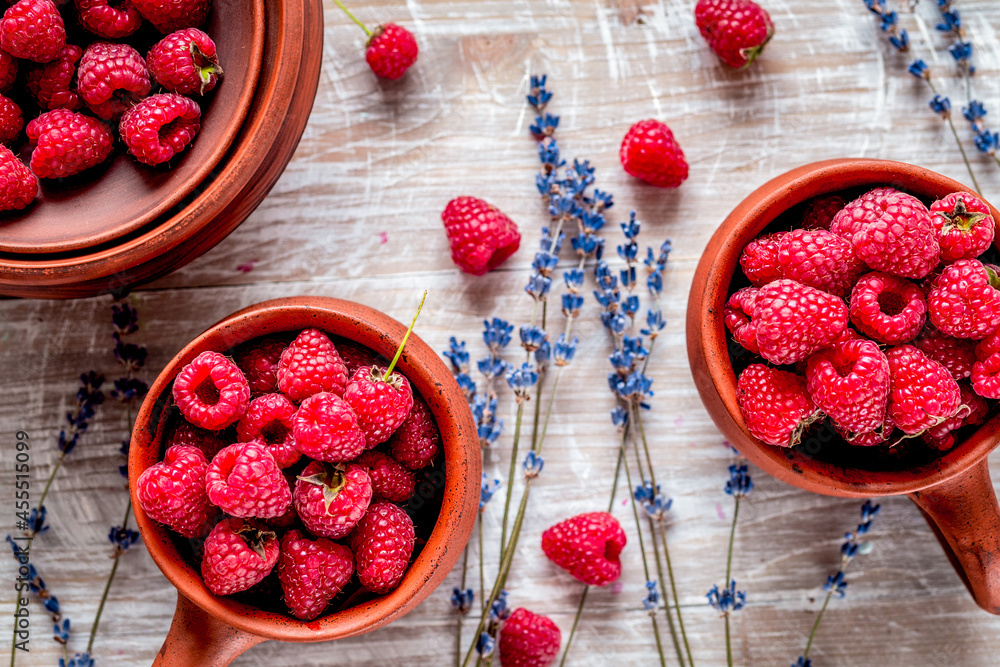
356,215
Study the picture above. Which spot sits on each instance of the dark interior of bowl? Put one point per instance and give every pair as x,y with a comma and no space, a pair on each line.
108,202
821,442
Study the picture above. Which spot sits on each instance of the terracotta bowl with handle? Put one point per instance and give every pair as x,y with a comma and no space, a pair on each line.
211,631
952,489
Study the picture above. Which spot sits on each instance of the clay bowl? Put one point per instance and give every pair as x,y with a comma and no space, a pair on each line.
952,489
264,143
211,631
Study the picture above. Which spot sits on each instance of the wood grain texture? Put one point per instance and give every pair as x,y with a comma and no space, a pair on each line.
356,215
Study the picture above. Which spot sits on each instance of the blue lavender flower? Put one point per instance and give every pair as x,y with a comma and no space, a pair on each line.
124,319
602,200
574,279
499,610
836,584
462,600
802,662
587,245
544,125
987,142
496,334
941,105
728,599
919,69
548,154
484,411
652,599
533,464
122,538
631,228
538,286
539,96
564,207
630,305
654,323
467,385
129,355
37,520
564,350
88,396
522,379
962,54
484,645
549,244
592,221
543,354
950,21
545,263
739,484
487,490
532,337
127,389
60,631
975,112
457,355
78,660
492,367
619,417
654,283
571,304
652,500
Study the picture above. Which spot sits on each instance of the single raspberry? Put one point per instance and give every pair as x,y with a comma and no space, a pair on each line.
900,240
888,308
188,435
850,383
185,62
972,411
259,364
108,19
160,127
988,346
986,376
775,405
819,212
480,235
309,365
820,259
737,30
245,481
111,78
33,30
391,50
18,186
312,572
964,226
874,437
738,316
650,153
382,543
955,354
11,121
269,419
381,403
8,71
54,84
528,640
587,546
326,429
172,491
415,443
391,481
963,301
855,215
356,356
331,499
210,391
67,143
923,394
794,320
170,15
759,260
237,556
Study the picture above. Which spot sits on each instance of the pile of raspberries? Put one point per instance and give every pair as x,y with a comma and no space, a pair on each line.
78,92
879,314
296,455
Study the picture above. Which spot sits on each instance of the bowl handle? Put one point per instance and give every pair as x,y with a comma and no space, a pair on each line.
198,639
965,517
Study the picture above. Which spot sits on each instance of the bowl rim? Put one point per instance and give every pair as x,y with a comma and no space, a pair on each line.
707,341
427,374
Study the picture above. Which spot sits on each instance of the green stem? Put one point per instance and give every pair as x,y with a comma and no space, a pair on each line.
111,577
666,601
351,16
576,621
958,142
458,625
399,351
48,484
536,447
819,617
729,645
732,537
510,477
482,559
673,593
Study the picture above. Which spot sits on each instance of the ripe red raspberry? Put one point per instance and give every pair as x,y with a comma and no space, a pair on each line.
864,210
245,481
108,19
237,556
391,50
8,71
185,62
33,30
382,543
355,357
738,316
259,364
309,365
172,491
415,443
850,383
391,481
820,259
964,226
160,127
819,212
972,411
381,405
923,392
52,84
11,121
170,15
901,240
794,320
874,437
528,640
269,419
963,302
737,30
312,572
587,546
188,435
326,429
480,235
111,78
955,354
759,260
331,499
988,346
650,153
775,405
210,391
18,186
888,308
66,143
986,376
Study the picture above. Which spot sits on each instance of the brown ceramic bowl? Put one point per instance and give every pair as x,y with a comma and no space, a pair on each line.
952,489
210,631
